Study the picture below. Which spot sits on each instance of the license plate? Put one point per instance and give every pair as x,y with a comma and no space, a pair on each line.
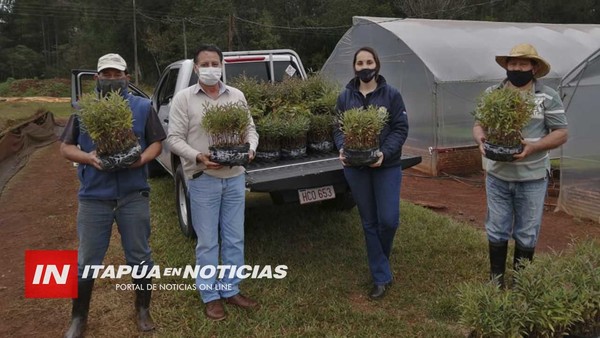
316,194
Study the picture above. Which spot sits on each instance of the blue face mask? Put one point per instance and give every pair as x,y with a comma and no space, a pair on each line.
105,86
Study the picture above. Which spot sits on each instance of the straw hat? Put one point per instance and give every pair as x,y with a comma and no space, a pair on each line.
525,51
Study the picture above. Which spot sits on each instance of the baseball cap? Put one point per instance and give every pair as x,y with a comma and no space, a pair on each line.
111,61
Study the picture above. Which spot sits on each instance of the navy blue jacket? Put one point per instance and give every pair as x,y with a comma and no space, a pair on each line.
95,184
395,131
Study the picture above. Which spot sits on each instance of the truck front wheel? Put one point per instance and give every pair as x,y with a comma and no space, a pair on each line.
182,201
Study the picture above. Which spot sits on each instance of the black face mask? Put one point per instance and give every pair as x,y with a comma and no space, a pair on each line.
366,75
106,86
518,78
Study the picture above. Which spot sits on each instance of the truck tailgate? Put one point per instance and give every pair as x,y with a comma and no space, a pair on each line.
313,171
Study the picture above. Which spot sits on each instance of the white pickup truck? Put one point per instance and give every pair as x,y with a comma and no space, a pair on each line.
314,178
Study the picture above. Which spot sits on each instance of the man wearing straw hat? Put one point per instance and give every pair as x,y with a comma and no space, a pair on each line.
516,190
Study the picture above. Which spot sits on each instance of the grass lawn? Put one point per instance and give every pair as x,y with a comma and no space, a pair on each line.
12,113
324,292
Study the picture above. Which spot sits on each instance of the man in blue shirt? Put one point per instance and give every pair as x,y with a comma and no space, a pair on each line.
120,196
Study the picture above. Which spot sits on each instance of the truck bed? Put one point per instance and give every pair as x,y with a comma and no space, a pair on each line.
311,171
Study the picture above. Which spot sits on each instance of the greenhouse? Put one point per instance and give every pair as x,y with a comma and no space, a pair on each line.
442,66
580,160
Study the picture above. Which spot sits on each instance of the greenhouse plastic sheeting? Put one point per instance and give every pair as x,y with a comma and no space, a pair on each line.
442,66
580,160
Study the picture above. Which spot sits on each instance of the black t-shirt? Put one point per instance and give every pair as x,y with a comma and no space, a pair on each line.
153,130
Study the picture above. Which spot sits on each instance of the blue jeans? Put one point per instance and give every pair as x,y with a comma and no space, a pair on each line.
95,219
377,195
514,208
217,208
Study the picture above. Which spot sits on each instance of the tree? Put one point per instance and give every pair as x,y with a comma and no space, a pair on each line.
68,34
264,37
21,61
433,9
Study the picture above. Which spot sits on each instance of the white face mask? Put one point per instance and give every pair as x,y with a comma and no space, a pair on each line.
209,76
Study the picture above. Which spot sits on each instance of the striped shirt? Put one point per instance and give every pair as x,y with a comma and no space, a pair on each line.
548,114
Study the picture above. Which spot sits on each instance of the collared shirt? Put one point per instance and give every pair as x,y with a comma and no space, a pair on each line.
222,89
187,138
548,114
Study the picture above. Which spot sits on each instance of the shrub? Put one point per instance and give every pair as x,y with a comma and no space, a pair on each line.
291,90
502,113
293,133
270,130
227,124
283,111
553,296
109,123
549,297
325,104
582,273
361,127
490,311
297,123
316,87
33,87
255,93
320,128
4,87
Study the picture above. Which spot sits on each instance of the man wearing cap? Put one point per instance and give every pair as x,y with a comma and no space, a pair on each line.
516,190
120,196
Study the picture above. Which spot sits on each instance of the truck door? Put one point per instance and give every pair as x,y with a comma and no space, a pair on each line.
163,98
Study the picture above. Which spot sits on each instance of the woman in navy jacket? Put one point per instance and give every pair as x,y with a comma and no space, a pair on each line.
376,188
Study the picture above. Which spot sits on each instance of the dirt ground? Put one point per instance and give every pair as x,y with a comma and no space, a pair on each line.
38,208
35,99
37,211
463,198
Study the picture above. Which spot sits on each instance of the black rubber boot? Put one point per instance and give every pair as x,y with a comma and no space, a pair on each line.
522,254
498,251
143,294
81,306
